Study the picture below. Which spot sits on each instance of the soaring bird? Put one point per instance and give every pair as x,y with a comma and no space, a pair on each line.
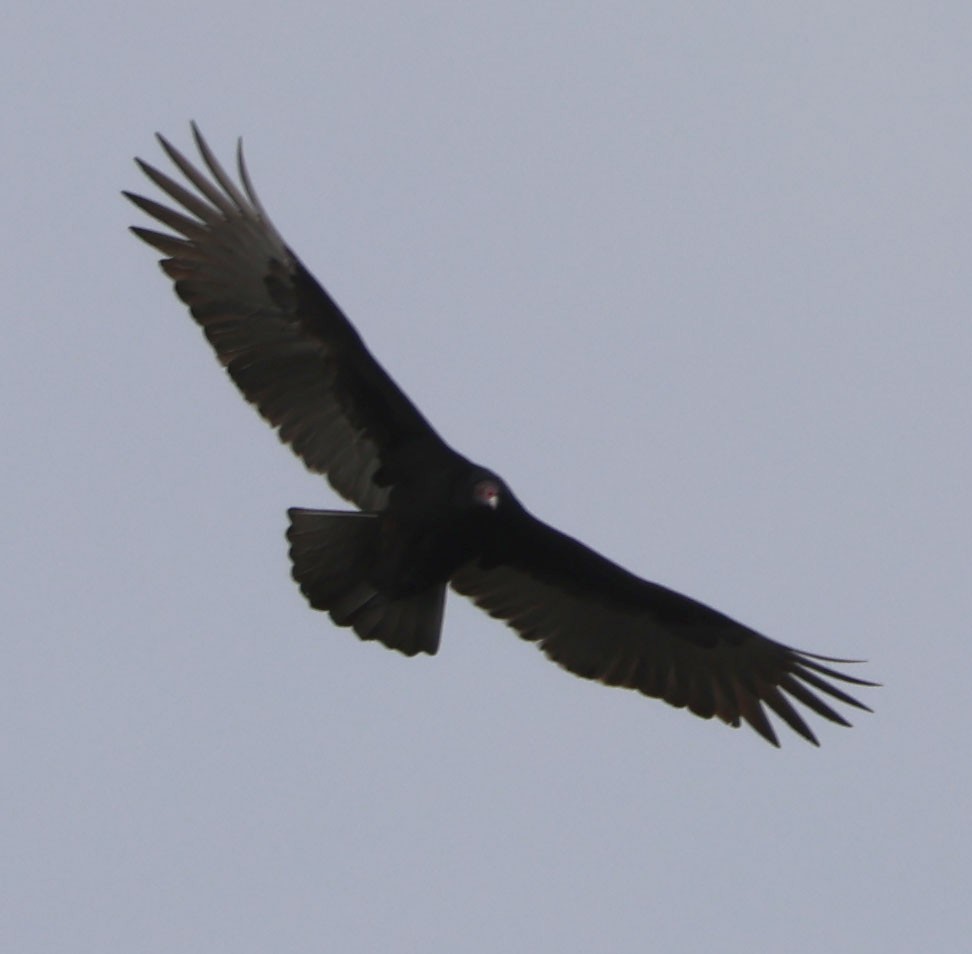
429,518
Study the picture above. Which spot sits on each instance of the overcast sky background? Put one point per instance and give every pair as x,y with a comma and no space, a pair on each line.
693,277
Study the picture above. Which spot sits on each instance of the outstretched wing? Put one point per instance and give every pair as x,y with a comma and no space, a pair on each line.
282,339
597,620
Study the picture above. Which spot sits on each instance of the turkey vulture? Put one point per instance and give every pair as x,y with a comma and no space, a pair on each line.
427,516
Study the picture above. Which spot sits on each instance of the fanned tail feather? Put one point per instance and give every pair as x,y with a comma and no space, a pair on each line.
333,553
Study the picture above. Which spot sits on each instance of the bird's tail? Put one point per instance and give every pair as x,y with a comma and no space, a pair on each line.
333,552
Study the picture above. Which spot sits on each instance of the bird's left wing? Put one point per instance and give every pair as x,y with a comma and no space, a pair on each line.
281,337
598,621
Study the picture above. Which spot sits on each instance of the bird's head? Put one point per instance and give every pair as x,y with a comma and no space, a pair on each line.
487,492
483,490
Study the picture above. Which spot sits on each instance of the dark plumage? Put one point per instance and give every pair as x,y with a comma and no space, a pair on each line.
429,517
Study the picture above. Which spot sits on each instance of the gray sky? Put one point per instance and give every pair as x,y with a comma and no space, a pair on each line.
693,278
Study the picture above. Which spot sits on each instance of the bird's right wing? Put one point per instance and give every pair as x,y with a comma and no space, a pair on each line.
601,622
277,332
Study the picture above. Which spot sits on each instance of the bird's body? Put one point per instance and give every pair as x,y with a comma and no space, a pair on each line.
428,517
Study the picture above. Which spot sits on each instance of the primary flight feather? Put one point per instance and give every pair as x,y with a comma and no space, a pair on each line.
429,517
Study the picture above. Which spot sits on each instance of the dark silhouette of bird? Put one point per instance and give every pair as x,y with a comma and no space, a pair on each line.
429,518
